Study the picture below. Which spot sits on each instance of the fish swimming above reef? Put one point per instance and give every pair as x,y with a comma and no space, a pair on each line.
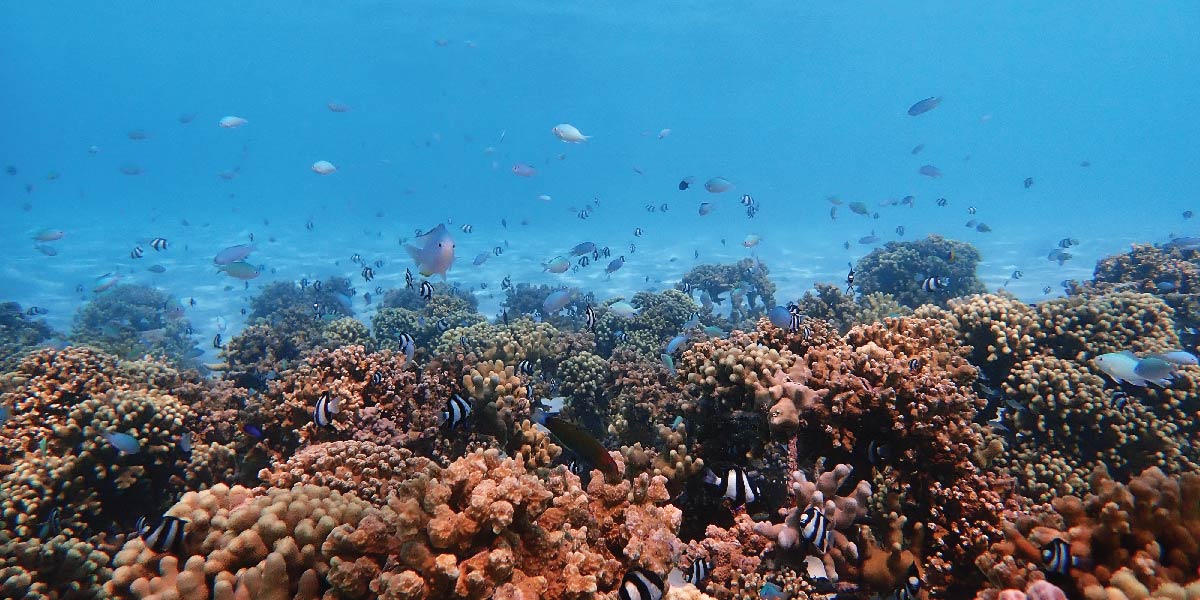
1126,367
434,252
579,441
734,484
923,106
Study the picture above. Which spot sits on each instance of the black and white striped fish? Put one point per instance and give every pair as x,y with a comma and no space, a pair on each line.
356,258
529,390
377,378
457,411
368,273
158,244
136,252
914,364
408,346
698,572
467,228
464,342
426,290
747,200
933,284
735,485
168,535
217,341
324,410
640,584
1058,558
589,316
442,324
408,279
942,202
814,528
795,318
971,210
637,232
52,526
525,366
910,589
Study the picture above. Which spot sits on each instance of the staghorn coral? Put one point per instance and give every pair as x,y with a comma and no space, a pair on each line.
266,544
898,268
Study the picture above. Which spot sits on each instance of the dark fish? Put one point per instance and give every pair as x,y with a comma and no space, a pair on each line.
859,208
324,410
525,366
442,325
426,291
216,344
456,413
167,536
747,200
637,232
1018,274
590,318
1058,558
942,202
640,584
685,183
34,311
579,441
735,485
1028,182
1067,242
918,148
698,572
156,269
900,230
933,284
930,171
368,273
408,278
584,261
253,430
467,228
377,378
52,526
914,364
878,453
136,252
982,228
663,207
498,250
815,529
1046,290
159,244
924,106
910,589
1187,214
868,239
849,286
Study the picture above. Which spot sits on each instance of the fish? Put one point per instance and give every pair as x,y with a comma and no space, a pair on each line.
240,270
1058,558
869,239
585,261
589,318
637,232
1123,366
1155,369
579,441
1177,357
408,346
971,210
523,170
930,171
1120,399
771,591
231,122
323,412
479,259
909,201
623,309
130,169
933,284
456,412
747,200
217,341
668,362
426,291
983,228
47,250
559,264
368,273
686,183
641,584
751,240
1059,255
1046,290
1028,182
5,414
233,254
735,485
717,185
662,133
52,526
614,265
923,106
123,442
676,342
900,230
253,430
859,208
619,336
555,301
1067,242
917,149
815,529
435,253
525,366
185,442
1017,274
663,207
569,134
136,252
698,572
167,536
467,228
323,167
34,311
1187,214
705,208
337,107
583,248
159,244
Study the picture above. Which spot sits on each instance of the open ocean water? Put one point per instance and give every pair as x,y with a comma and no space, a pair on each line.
1054,120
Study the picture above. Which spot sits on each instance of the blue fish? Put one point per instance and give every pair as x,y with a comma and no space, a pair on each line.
770,591
676,342
253,430
669,361
1178,357
924,106
123,442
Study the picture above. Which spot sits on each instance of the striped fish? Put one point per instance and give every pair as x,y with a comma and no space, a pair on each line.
136,252
814,528
324,410
408,279
166,536
426,291
525,366
408,346
933,284
640,584
698,572
158,244
457,411
735,485
377,378
590,318
1058,558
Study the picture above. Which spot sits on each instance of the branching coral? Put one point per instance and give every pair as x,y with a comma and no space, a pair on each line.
901,268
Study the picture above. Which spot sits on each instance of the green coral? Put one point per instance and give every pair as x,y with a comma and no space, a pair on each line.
660,316
900,268
133,320
744,283
348,331
828,302
19,334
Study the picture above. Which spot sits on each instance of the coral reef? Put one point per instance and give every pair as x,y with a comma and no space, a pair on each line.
901,268
744,283
828,302
132,320
19,334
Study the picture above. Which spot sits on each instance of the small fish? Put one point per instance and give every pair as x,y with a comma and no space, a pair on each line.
1187,214
34,311
717,185
426,291
323,412
933,284
52,526
930,171
368,273
159,244
240,270
590,318
156,269
619,336
669,362
751,241
408,346
637,232
253,430
1017,274
136,252
442,325
231,122
771,591
167,536
735,486
45,249
323,167
523,170
525,366
1067,242
942,202
309,225
1058,558
910,588
217,341
815,529
686,183
663,207
1028,182
917,149
1120,399
408,279
859,208
498,250
923,106
641,584
982,228
1178,357
456,413
569,134
467,228
1046,290
900,230
614,265
869,239
185,442
123,442
751,211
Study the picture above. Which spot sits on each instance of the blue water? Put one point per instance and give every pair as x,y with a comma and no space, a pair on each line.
793,102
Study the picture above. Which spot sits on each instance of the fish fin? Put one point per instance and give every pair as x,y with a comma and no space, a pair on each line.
1128,353
413,253
711,478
